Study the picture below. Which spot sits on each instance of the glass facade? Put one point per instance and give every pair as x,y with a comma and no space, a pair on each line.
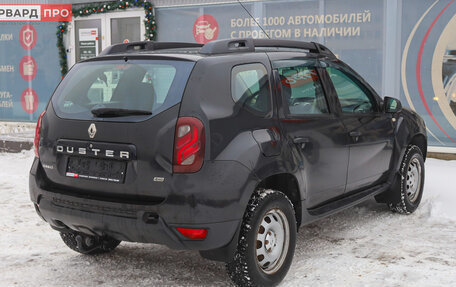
403,48
355,32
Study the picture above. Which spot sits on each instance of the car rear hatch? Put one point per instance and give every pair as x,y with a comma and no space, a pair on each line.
109,129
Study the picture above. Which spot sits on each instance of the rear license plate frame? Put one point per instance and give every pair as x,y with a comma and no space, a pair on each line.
96,169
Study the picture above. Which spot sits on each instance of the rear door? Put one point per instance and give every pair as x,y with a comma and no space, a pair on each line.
370,130
90,142
312,129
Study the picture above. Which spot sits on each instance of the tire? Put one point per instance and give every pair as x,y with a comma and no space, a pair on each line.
269,223
405,195
87,244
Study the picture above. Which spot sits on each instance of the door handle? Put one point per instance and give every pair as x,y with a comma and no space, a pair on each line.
301,141
355,134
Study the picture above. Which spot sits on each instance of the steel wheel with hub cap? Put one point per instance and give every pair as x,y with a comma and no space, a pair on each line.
273,238
413,180
266,241
405,193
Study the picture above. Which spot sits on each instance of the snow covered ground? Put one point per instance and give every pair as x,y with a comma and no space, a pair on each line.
363,246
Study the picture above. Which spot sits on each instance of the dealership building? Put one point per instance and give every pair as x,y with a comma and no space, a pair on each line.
404,48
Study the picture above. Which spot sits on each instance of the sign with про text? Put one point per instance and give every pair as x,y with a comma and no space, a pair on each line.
37,13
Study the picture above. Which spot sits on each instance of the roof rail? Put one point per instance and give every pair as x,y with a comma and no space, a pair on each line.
219,46
146,46
249,45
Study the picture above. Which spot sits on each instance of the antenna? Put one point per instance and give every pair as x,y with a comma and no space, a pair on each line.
239,1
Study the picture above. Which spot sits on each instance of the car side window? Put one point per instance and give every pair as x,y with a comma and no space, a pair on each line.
352,97
250,88
302,92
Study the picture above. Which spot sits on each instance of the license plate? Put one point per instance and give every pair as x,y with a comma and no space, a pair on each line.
96,169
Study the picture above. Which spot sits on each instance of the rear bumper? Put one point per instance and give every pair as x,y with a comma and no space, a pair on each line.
148,223
141,228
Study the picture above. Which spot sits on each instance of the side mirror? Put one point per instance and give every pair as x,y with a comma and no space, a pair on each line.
392,105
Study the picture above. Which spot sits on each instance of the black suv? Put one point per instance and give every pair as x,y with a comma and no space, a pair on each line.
226,148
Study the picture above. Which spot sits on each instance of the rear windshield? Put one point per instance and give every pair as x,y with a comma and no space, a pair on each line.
146,85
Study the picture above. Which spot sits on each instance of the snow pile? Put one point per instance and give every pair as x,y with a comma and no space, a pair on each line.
440,184
363,246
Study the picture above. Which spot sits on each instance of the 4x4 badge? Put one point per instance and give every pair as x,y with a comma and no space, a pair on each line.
92,131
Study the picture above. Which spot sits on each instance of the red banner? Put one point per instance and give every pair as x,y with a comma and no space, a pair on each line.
35,13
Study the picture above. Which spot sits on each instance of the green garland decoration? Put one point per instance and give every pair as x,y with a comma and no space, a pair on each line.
105,7
62,29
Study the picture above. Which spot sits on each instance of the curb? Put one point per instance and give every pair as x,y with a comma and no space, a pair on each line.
444,156
14,146
16,136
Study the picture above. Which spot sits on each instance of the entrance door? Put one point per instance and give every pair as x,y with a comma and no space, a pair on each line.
123,27
88,42
94,33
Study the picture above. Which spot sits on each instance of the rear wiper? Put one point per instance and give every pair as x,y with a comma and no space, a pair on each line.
111,112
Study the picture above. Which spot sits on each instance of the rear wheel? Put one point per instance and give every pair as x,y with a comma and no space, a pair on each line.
266,242
87,244
405,195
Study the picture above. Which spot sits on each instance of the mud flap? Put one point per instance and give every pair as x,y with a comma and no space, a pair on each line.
225,253
390,193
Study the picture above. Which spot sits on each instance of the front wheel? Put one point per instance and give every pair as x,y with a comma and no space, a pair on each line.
406,194
266,242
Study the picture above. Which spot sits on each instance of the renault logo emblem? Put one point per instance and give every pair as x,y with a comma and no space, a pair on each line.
92,131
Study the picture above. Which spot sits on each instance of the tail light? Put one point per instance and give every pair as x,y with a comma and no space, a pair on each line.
188,145
193,233
36,142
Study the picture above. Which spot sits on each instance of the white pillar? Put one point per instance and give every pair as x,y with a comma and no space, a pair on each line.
391,82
